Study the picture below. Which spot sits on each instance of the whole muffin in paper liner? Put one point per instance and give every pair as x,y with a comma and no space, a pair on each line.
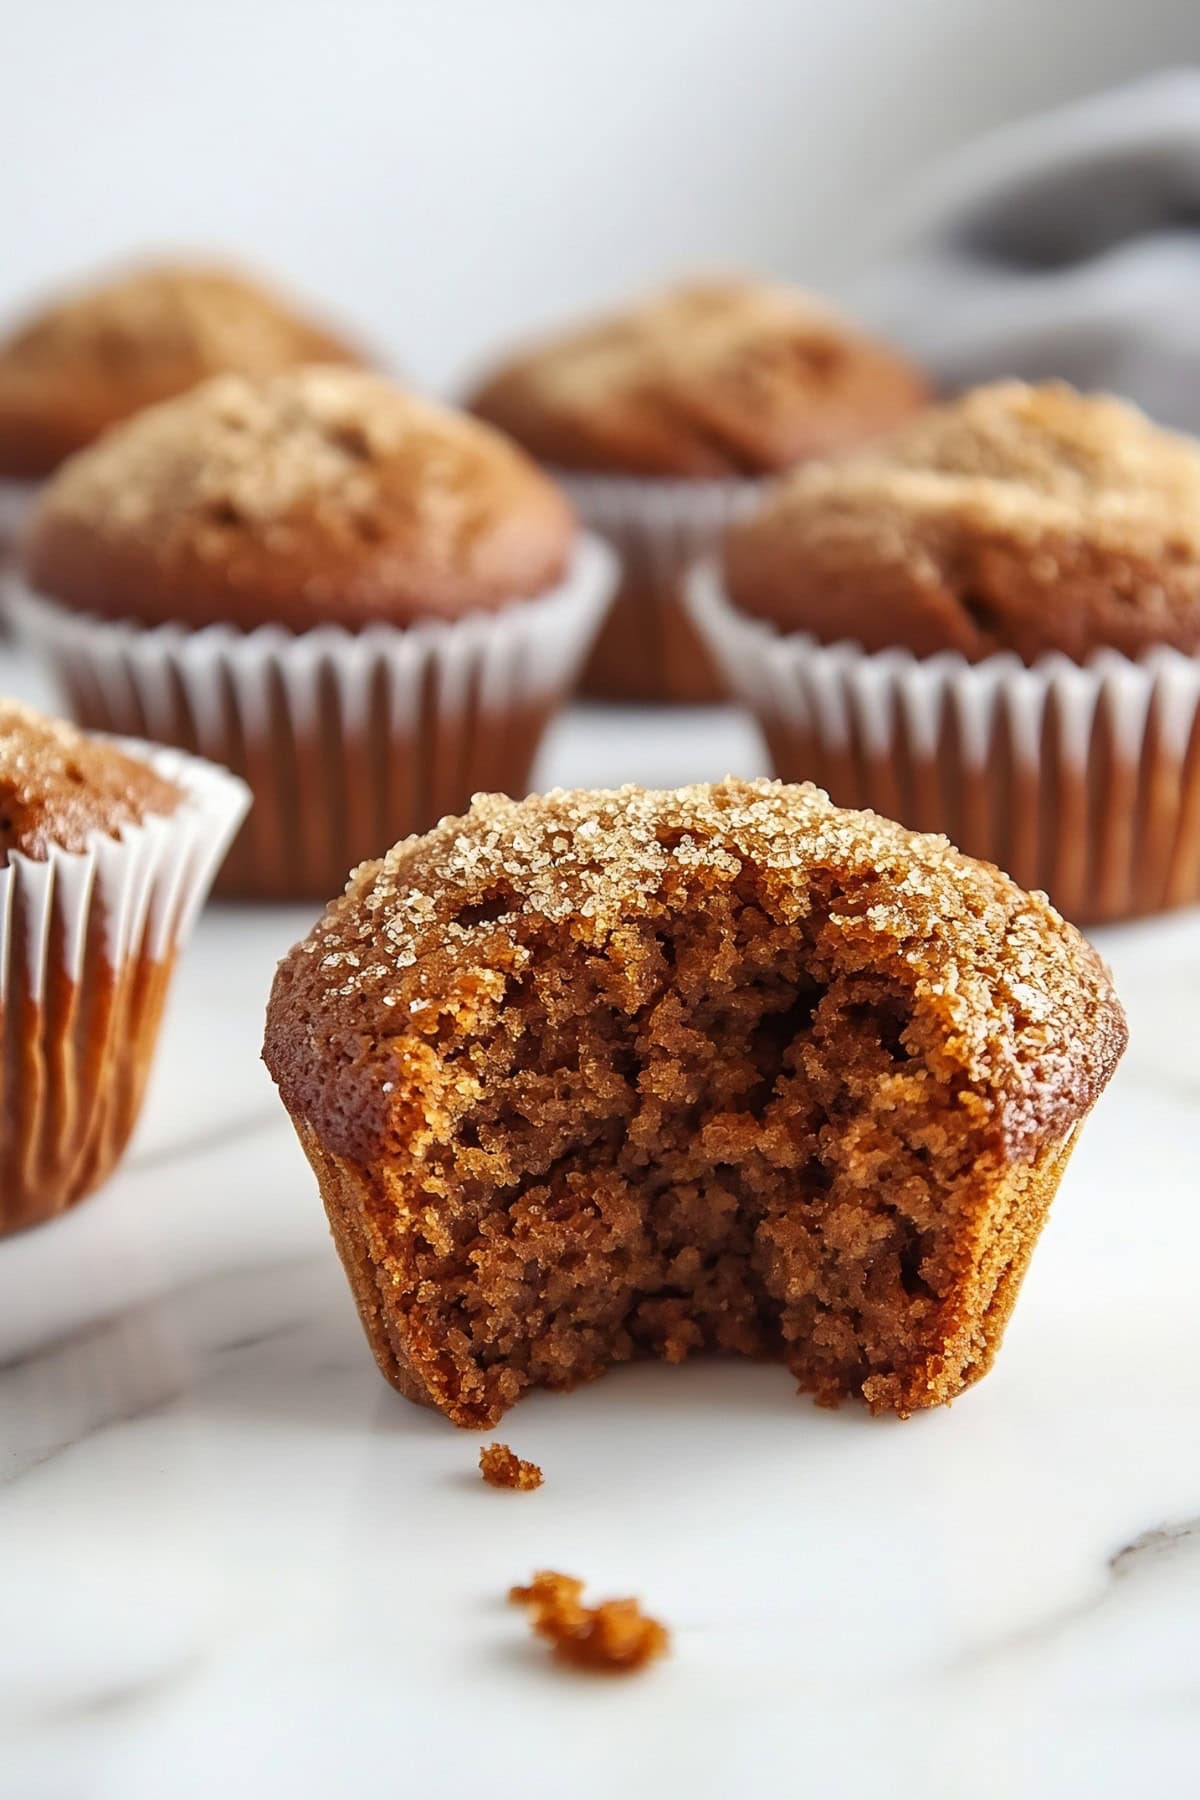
989,625
106,854
368,605
664,417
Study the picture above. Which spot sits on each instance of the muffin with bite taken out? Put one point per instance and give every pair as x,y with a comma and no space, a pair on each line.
598,1076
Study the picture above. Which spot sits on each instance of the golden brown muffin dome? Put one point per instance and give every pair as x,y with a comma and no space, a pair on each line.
1017,518
105,351
719,378
58,786
592,1076
324,495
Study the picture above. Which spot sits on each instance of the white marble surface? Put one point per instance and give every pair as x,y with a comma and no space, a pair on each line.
234,1563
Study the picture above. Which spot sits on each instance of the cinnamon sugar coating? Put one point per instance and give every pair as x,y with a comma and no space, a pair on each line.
599,1075
104,351
502,1468
712,378
58,785
322,495
1017,518
614,1637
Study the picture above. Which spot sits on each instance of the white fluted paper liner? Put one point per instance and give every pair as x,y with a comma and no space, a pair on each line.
16,500
147,884
1083,779
348,739
647,648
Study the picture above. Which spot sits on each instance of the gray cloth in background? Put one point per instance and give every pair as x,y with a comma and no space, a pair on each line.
1066,245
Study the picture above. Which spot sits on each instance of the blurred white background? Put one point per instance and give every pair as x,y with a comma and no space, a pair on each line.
448,173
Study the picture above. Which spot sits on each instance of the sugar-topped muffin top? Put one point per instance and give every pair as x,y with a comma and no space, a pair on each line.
322,495
1017,518
106,350
58,786
713,378
1026,1018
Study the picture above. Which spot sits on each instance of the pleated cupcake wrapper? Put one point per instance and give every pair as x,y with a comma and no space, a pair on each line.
16,499
648,647
347,740
87,943
1082,780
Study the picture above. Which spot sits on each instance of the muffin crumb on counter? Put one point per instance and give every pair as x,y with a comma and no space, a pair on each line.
614,1637
503,1468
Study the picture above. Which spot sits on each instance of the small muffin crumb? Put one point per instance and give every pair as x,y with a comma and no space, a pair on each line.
616,1636
502,1468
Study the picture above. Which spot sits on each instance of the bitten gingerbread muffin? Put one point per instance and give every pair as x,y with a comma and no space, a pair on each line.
105,856
670,413
104,351
607,1075
1016,526
367,604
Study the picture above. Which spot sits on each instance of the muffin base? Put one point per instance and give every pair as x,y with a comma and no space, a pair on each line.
648,648
1011,1210
348,741
1081,781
